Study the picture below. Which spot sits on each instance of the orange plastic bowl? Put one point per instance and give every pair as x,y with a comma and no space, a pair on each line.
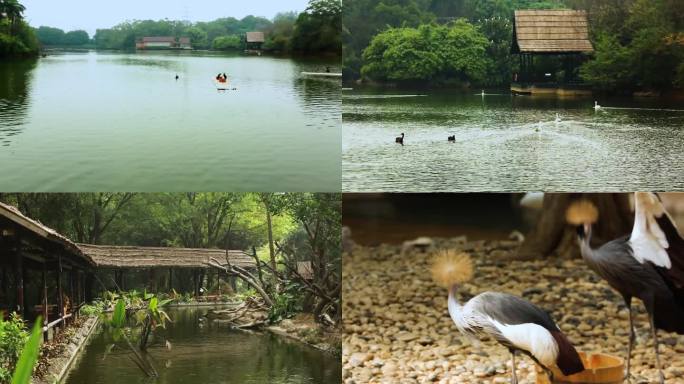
599,368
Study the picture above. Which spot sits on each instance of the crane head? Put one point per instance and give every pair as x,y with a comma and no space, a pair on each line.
582,214
450,267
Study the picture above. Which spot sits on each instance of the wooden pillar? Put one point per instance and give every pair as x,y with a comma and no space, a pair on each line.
170,279
45,301
196,281
72,296
60,291
19,279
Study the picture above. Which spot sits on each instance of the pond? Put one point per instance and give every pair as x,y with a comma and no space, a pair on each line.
506,143
206,353
105,121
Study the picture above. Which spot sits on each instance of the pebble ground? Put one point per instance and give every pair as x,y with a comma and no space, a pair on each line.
397,328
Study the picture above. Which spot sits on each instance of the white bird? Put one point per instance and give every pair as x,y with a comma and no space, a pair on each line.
483,93
596,105
558,118
512,321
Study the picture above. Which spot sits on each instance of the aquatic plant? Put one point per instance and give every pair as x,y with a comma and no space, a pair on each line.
148,314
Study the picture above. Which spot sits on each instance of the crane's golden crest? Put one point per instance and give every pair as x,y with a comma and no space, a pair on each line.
649,202
581,212
450,267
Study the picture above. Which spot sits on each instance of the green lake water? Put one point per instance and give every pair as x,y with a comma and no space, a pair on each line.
205,353
120,121
505,143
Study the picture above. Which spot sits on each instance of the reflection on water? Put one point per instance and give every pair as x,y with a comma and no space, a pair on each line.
101,121
202,352
15,80
506,143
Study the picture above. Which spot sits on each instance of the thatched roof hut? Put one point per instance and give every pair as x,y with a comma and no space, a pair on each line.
551,31
12,220
255,37
111,256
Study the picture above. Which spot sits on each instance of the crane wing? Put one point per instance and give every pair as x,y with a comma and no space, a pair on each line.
655,238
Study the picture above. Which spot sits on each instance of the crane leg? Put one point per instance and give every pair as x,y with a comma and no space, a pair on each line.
632,336
514,377
655,345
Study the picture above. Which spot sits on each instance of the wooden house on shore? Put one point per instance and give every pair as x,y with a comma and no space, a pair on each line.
163,42
254,42
542,39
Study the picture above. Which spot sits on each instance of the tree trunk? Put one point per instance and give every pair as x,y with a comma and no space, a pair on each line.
271,249
552,236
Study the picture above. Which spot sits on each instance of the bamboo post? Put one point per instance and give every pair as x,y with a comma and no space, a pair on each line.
19,278
45,301
60,292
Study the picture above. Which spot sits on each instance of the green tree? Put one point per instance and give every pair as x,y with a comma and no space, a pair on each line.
49,35
429,52
78,37
318,28
198,37
227,43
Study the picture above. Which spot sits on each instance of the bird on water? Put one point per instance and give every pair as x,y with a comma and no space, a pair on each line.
647,264
596,105
451,138
400,139
512,321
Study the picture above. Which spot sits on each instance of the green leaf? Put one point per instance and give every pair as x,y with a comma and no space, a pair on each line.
119,316
153,304
165,302
29,355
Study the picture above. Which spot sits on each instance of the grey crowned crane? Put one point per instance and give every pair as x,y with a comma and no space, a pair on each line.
647,264
512,321
400,139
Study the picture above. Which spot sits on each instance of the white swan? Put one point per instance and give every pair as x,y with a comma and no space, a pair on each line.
596,105
558,118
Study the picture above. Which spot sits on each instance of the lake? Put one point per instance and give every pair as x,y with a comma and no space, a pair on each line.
208,354
505,143
95,121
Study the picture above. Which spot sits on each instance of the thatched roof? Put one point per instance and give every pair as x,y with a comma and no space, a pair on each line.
255,37
146,257
42,231
551,31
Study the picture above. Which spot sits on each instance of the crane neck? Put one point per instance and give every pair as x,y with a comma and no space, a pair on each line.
453,305
584,237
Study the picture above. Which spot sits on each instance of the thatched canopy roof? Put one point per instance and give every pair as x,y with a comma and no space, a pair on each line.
255,37
147,257
551,31
41,231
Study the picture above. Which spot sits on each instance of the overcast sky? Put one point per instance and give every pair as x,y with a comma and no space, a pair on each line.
93,14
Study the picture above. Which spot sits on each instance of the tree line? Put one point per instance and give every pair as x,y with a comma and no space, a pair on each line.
314,30
639,44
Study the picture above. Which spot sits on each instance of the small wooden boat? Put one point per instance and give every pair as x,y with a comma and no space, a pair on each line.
322,74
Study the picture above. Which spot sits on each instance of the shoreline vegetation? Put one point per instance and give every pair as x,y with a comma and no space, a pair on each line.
466,44
313,32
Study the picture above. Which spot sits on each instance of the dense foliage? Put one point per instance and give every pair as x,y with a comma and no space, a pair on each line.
57,37
13,336
314,30
429,52
16,37
639,44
